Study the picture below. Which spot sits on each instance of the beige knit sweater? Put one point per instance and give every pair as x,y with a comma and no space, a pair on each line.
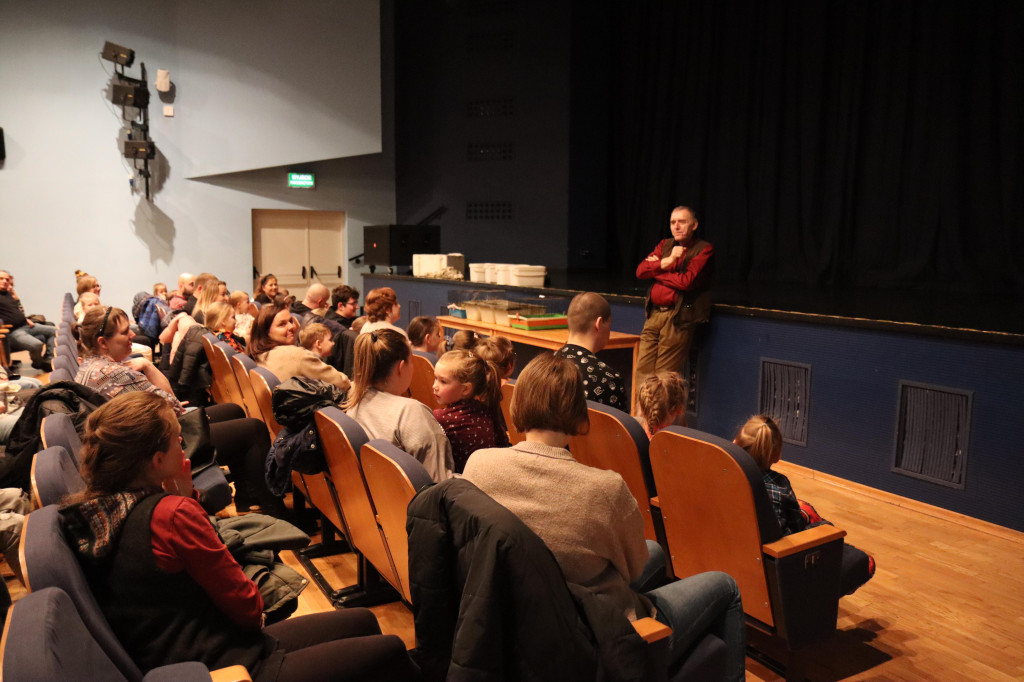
294,361
586,516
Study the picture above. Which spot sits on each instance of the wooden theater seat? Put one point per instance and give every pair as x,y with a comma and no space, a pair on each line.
240,365
618,443
224,387
393,477
507,390
422,386
342,438
718,517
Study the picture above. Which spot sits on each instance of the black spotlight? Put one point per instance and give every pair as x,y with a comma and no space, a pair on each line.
139,149
118,54
129,95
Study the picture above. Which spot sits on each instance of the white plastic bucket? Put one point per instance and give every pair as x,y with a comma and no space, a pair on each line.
478,272
527,275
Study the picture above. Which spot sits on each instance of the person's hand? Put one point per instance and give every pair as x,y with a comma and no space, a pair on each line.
181,482
652,259
138,364
677,252
30,322
3,408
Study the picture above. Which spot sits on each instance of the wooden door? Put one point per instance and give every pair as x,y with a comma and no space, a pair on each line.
296,244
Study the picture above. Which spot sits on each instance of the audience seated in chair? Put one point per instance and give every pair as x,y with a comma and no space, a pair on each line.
425,337
661,402
273,346
590,521
590,324
168,586
468,390
241,442
383,372
382,311
761,437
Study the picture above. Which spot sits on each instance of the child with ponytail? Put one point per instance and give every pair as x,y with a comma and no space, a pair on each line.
468,388
382,373
762,439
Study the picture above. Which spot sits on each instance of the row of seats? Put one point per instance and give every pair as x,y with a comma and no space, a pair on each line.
58,631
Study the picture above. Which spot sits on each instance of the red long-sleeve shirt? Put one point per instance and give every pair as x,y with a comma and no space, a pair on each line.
184,540
668,282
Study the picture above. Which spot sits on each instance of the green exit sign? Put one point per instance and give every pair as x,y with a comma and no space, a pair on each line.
302,180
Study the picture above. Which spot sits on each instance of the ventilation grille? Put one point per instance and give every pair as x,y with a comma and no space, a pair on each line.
490,108
784,395
494,41
495,151
489,210
932,429
415,308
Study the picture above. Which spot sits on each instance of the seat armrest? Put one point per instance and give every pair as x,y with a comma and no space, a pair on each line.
804,540
651,630
235,673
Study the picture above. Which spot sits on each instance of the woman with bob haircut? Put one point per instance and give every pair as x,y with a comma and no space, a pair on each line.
168,585
589,520
383,372
272,345
241,442
382,311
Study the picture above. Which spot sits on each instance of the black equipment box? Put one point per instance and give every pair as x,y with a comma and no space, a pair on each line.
395,244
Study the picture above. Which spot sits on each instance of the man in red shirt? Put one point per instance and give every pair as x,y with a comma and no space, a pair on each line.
678,299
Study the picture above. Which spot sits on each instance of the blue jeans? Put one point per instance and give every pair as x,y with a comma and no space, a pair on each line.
38,340
694,606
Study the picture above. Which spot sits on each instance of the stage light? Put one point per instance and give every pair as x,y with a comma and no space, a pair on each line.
139,149
130,95
118,54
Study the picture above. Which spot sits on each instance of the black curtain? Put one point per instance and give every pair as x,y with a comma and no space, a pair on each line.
836,143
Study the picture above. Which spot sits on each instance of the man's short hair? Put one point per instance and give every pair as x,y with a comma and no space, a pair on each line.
342,293
549,395
687,208
312,333
420,327
584,310
205,279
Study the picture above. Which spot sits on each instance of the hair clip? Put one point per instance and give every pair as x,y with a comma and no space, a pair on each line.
373,335
105,318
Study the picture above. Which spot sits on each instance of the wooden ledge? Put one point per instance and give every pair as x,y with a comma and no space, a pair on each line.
804,540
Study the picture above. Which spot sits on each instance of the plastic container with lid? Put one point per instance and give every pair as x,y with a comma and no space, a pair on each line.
492,273
503,273
478,272
527,275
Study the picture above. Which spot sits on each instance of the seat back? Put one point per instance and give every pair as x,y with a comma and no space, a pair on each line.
618,443
58,429
54,476
60,374
45,639
48,561
216,389
507,391
241,364
422,386
393,477
224,383
263,383
716,511
342,438
62,362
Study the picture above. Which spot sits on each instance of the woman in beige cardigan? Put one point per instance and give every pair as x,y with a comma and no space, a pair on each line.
273,346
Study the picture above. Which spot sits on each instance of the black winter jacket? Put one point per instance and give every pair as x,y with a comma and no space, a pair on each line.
488,595
190,374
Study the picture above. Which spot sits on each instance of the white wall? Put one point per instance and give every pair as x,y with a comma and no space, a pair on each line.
65,201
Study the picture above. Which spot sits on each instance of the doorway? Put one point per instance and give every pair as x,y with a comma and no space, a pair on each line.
299,247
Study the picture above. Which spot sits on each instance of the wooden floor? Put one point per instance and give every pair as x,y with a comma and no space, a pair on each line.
946,603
